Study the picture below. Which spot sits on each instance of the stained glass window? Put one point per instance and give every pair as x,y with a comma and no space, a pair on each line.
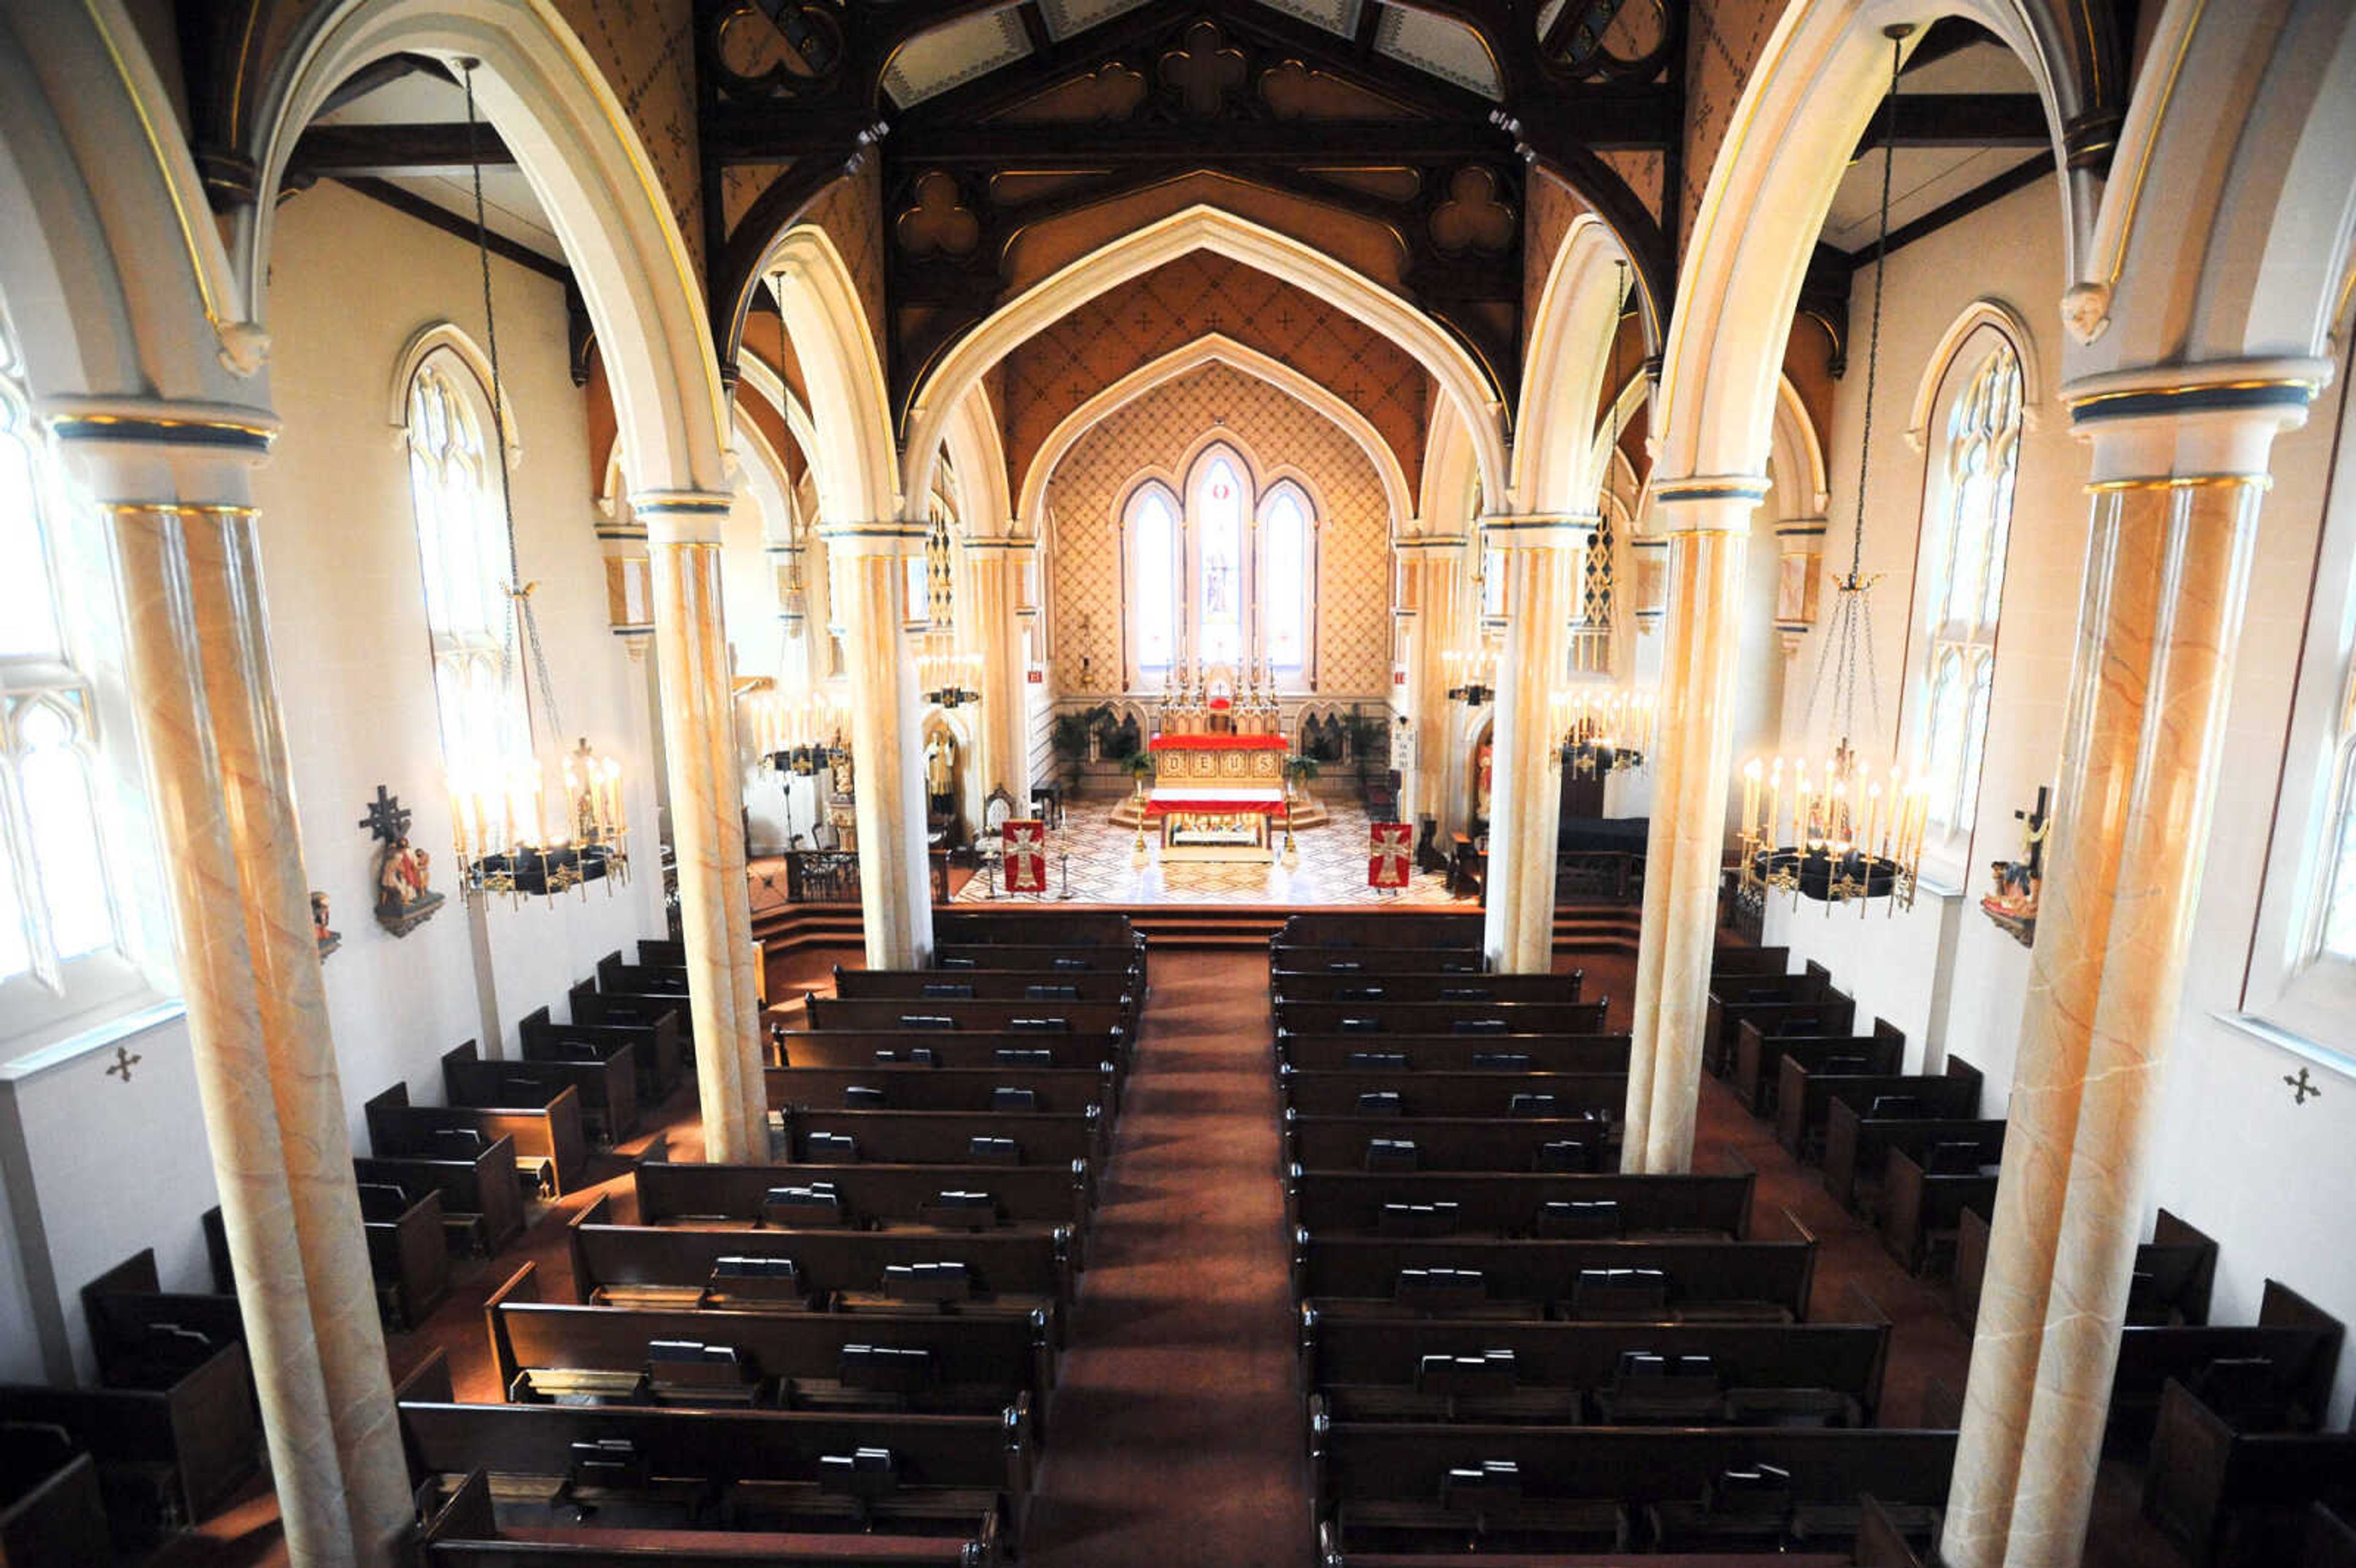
1219,514
1153,578
1287,581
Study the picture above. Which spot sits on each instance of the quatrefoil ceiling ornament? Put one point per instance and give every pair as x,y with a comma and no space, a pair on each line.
1607,40
937,223
1204,70
1474,217
1111,92
776,48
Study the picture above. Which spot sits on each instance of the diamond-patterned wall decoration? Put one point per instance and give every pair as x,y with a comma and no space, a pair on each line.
1172,305
645,50
1272,427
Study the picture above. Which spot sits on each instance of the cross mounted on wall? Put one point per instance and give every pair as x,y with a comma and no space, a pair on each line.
2303,1088
125,1058
387,819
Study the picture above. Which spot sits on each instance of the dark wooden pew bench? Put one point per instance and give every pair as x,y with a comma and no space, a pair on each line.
1829,1011
551,1151
1356,962
1441,1094
1454,1052
913,1362
409,1254
607,1086
865,1197
1804,1099
52,1506
944,1048
910,1087
1451,1143
986,984
1380,928
1515,1204
1671,1281
1442,1018
2278,1372
658,1049
2238,1498
1051,958
946,1137
1759,1055
2173,1272
482,1208
1922,1200
1389,985
1759,1374
987,1016
1857,1144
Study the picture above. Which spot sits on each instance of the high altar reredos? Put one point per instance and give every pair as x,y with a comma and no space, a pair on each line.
1218,790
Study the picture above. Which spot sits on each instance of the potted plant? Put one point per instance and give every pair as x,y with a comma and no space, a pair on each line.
1139,764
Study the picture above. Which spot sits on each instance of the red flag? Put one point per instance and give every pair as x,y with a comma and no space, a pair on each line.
1025,845
1390,857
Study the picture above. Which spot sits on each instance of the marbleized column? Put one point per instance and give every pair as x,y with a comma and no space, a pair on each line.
199,682
630,586
994,569
2178,470
1705,522
1542,558
707,818
1436,565
894,878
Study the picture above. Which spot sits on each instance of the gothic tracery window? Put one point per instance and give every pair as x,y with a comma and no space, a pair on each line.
1225,576
462,546
1964,576
1155,569
1287,581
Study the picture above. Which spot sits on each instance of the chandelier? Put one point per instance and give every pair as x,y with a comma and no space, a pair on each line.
1851,833
1602,729
798,737
510,837
949,679
1471,674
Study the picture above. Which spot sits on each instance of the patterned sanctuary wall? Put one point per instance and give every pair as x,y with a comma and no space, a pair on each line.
1724,39
851,213
645,50
1069,362
1273,427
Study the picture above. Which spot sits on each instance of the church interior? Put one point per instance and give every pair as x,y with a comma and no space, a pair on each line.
1250,782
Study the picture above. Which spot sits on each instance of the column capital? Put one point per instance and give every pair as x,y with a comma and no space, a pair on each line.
2187,423
999,546
1693,489
682,517
1540,531
890,537
1431,544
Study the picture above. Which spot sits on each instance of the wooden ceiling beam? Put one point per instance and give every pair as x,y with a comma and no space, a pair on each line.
1959,120
341,152
1211,143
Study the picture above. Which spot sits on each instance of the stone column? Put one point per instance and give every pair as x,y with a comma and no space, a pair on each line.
200,682
896,892
1436,565
1707,522
629,585
1542,558
994,568
2179,467
707,814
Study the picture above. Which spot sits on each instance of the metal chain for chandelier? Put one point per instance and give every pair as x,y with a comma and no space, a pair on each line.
1852,836
505,842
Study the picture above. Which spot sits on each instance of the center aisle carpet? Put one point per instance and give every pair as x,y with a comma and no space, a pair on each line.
1177,1427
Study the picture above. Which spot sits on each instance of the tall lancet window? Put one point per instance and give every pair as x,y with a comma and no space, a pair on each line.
1288,583
462,548
1965,578
1152,534
1220,508
58,913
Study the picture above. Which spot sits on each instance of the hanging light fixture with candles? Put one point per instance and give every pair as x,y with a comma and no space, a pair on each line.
1846,832
511,836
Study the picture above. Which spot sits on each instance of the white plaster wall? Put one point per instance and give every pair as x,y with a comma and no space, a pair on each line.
353,282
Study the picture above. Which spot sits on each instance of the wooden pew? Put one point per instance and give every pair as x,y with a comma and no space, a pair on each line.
408,1254
944,1048
545,1349
1375,1368
1380,928
946,1137
1826,1011
763,1468
1006,1272
1386,1487
1441,1017
551,1151
1354,961
913,1088
868,1197
1855,1144
589,1006
607,1086
1451,1143
617,976
463,1531
1732,958
989,1016
1804,1099
983,984
2236,1498
1750,1281
1923,1204
2299,1342
52,1509
1456,1053
1515,1203
482,1208
1035,927
1055,959
2173,1272
167,1455
1421,985
600,1028
1433,1094
1759,1057
145,1337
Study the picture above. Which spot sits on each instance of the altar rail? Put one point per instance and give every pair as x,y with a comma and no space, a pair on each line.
823,877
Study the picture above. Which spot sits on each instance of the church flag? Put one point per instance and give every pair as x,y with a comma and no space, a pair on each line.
1389,854
1025,845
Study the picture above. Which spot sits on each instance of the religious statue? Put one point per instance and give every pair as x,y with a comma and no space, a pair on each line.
405,898
1482,761
2019,883
940,768
328,940
402,876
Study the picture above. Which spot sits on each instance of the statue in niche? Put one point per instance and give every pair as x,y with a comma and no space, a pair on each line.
940,770
1481,768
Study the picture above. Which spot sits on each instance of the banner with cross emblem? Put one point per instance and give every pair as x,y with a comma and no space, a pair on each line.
1390,855
1026,847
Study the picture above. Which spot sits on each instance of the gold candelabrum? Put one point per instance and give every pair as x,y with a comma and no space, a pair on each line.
1841,834
1603,727
1472,674
512,839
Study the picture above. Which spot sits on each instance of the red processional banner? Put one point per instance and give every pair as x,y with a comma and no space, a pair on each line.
1026,847
1390,854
